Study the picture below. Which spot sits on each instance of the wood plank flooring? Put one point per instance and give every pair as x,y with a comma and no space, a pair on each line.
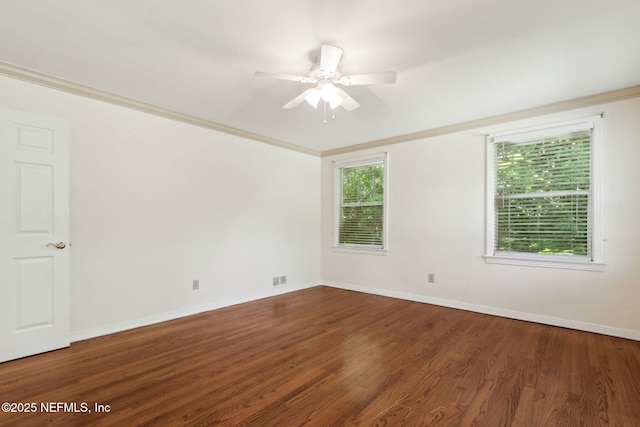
330,357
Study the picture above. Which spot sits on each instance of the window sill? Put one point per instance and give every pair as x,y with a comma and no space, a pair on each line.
545,261
361,250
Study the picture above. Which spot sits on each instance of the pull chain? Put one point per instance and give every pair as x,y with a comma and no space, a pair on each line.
333,113
325,112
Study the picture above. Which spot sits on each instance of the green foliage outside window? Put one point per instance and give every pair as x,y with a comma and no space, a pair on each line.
543,195
362,205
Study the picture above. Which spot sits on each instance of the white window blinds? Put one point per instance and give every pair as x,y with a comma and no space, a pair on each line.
360,203
543,192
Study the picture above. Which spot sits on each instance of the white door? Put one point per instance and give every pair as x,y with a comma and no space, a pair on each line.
34,212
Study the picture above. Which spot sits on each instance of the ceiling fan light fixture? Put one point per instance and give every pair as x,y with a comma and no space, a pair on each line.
326,75
313,98
335,102
329,94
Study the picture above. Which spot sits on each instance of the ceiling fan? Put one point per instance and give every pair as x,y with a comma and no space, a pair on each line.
326,77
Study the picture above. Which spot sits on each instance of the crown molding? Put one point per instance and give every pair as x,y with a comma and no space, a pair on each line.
556,107
28,75
31,76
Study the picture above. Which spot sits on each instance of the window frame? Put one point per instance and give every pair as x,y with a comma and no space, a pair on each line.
594,262
338,166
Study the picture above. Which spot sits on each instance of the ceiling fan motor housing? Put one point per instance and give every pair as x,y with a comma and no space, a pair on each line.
316,73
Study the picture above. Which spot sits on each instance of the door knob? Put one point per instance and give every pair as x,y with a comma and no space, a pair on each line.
59,245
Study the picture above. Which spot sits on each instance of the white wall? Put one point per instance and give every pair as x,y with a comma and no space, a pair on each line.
157,203
437,223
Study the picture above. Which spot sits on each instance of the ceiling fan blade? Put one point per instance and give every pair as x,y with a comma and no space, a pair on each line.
300,79
368,79
348,103
298,99
329,58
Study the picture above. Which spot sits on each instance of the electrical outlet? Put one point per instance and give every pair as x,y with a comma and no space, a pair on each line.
196,284
279,280
431,278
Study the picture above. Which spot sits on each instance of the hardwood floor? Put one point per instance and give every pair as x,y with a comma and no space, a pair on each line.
331,357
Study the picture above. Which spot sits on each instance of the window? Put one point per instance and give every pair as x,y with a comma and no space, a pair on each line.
361,217
543,190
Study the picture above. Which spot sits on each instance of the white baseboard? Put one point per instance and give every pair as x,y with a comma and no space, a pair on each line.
188,311
530,317
511,314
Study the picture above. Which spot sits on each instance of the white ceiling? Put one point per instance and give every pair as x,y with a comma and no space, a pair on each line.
456,60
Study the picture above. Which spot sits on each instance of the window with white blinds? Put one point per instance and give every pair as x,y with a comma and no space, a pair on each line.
543,194
361,204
